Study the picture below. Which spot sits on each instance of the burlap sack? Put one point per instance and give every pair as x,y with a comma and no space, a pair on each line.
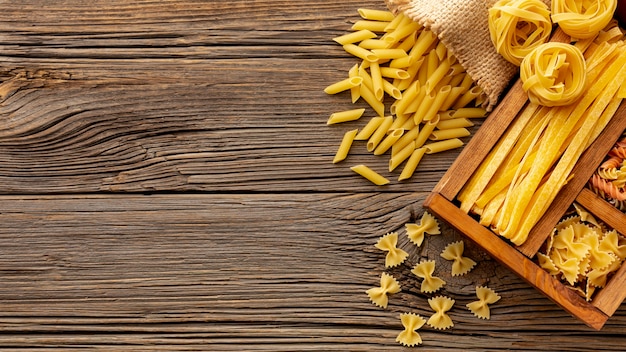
463,27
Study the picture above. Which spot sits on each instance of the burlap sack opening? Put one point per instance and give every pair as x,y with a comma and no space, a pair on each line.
463,27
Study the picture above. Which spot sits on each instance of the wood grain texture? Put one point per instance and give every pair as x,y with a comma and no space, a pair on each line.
246,272
166,184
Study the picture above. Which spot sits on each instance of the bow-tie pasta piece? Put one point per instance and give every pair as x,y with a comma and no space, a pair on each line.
461,265
485,296
425,270
411,322
388,285
395,256
440,320
428,224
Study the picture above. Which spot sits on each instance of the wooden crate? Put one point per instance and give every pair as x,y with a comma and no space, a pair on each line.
442,202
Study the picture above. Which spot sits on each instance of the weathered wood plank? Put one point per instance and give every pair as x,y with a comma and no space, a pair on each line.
246,272
180,96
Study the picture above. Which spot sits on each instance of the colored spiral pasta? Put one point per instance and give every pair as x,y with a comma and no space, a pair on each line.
517,27
553,74
582,19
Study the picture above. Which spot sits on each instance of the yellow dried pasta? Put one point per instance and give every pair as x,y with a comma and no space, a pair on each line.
486,296
461,265
516,27
583,18
553,74
411,322
427,224
395,256
425,270
379,295
441,305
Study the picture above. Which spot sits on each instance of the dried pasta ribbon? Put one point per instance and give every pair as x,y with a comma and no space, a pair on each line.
461,265
486,296
395,256
428,224
411,322
425,270
582,19
388,285
553,74
517,27
440,320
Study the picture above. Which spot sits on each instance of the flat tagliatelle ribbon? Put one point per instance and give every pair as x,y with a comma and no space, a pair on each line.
553,74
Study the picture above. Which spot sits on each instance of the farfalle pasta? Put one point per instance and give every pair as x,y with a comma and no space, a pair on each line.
582,253
516,27
395,256
553,74
582,18
425,270
486,296
461,265
379,295
411,322
428,224
441,305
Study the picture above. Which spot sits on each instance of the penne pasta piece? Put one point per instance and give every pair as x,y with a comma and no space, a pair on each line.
379,134
344,147
369,97
442,52
354,37
409,95
370,174
367,131
371,44
354,91
343,85
377,81
411,164
393,24
389,53
388,141
344,116
442,146
424,106
374,26
425,132
469,113
403,154
392,90
455,93
360,52
376,15
391,72
402,32
454,123
437,102
445,115
408,137
467,97
403,62
438,135
407,43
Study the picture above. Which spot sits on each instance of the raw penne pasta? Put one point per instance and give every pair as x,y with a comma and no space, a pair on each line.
411,164
354,91
408,137
376,15
392,72
469,113
360,52
343,85
370,174
437,75
374,26
371,44
370,98
392,90
344,116
403,62
438,135
377,81
437,102
454,123
425,132
388,141
354,37
442,146
389,53
398,20
467,97
367,131
344,147
401,32
403,154
379,134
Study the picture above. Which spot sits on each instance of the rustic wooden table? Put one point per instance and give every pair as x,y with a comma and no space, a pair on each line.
166,184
